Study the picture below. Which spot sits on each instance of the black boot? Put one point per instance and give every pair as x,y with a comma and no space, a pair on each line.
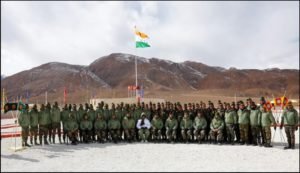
268,145
292,143
41,141
289,145
27,145
46,142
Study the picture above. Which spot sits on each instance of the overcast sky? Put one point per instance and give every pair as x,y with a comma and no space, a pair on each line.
227,34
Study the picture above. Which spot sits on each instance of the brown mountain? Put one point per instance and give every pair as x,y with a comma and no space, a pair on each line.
110,75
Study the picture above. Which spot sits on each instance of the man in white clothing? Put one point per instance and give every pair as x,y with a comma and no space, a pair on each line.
143,126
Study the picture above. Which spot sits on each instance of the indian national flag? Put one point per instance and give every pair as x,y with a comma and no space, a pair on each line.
141,39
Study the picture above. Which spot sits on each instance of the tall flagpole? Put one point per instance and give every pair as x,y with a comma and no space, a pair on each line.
136,84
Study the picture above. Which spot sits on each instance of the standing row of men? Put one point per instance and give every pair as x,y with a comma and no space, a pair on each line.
248,124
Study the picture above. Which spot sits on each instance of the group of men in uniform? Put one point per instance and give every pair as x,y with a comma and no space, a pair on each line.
161,122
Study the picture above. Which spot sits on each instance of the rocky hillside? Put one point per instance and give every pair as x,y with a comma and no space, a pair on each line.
116,71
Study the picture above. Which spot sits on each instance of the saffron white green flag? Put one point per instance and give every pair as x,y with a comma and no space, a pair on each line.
141,39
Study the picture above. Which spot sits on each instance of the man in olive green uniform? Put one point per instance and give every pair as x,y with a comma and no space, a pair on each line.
171,127
209,115
119,113
48,110
92,116
99,109
244,121
34,121
267,119
24,121
200,124
157,125
86,128
55,120
236,127
79,117
248,103
64,118
230,122
254,122
216,128
75,112
100,128
72,128
289,120
221,110
106,113
114,126
261,139
186,126
128,125
44,121
179,114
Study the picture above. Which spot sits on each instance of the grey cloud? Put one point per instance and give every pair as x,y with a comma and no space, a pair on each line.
229,34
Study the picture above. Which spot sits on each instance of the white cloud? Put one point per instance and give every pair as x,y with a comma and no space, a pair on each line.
229,34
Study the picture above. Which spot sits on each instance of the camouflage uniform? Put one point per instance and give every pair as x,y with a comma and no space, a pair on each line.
86,126
128,125
79,116
266,119
289,120
216,127
222,111
106,113
100,128
74,111
55,120
186,126
231,122
157,125
34,121
179,115
48,110
92,117
209,115
64,118
24,121
171,126
244,120
199,128
44,121
72,128
114,126
255,123
118,112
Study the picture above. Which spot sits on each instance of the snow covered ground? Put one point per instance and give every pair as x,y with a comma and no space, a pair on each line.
150,157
